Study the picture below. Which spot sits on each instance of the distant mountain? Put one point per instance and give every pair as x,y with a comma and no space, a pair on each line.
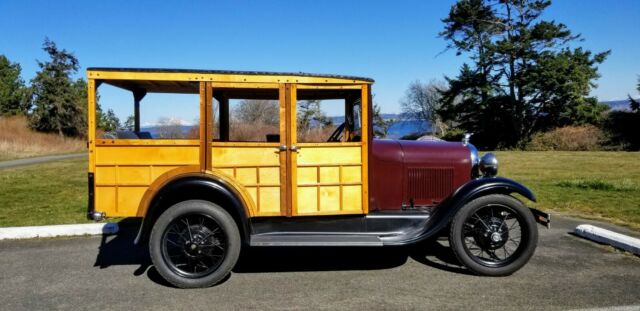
617,105
153,130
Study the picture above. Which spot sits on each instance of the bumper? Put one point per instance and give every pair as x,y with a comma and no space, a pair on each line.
91,208
541,217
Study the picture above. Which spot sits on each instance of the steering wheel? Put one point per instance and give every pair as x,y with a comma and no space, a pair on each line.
335,136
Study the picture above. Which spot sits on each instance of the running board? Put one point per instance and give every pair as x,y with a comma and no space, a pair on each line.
314,240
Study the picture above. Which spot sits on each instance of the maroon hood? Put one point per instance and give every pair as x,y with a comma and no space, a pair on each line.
405,172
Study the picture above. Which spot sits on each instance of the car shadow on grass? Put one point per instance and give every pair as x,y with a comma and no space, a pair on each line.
119,249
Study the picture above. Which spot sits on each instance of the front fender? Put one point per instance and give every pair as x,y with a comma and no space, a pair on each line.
475,188
488,185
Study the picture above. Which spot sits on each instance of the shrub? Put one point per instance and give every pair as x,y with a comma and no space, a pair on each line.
569,138
623,127
454,134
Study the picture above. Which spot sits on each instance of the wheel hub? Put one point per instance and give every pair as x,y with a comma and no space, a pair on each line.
495,233
200,238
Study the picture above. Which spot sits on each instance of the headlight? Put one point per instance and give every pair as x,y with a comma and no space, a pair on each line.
489,165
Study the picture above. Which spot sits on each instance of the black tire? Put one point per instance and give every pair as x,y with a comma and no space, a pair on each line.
488,225
193,235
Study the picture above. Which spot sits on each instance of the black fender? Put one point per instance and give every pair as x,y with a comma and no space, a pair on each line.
444,212
191,188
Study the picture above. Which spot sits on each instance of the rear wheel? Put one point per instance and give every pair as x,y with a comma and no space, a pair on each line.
494,235
194,244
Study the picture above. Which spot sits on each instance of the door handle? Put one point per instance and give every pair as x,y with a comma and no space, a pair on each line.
282,148
293,148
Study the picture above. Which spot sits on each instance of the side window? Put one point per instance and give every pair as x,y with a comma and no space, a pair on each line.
160,115
328,115
246,115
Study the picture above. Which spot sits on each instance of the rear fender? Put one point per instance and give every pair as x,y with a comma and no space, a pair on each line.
201,186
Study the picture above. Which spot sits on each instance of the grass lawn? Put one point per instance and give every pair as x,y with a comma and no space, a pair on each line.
43,194
599,185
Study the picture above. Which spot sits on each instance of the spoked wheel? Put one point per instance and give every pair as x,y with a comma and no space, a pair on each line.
194,244
494,235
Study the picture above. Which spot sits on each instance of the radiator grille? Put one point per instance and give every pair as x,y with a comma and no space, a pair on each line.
430,184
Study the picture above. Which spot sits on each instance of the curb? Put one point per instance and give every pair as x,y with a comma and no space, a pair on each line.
57,230
605,236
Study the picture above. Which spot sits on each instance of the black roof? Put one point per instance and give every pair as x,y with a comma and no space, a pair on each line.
266,73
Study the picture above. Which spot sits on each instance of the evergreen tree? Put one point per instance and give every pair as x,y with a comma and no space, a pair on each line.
310,115
13,99
523,76
108,121
634,104
59,103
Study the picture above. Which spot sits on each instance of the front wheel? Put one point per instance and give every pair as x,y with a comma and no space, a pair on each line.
493,235
194,244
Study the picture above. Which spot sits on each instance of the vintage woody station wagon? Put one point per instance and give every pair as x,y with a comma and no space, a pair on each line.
204,197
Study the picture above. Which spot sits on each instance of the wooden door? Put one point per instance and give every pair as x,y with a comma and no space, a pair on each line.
326,178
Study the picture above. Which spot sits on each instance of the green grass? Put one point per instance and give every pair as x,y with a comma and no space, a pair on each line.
597,185
43,194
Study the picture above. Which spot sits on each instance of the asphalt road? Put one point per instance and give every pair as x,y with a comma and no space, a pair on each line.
36,160
109,273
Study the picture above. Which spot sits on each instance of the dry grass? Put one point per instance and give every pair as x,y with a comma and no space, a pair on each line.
18,141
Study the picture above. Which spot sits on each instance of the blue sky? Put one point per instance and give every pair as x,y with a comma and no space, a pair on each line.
394,42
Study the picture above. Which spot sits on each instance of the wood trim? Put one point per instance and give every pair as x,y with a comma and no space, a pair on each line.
245,85
146,142
208,125
203,129
144,164
243,144
365,146
91,130
284,157
330,164
216,77
293,156
247,166
331,184
331,144
325,86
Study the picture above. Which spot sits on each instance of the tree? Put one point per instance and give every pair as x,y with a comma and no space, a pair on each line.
59,102
311,115
129,124
108,121
422,102
634,104
380,125
13,99
258,111
523,74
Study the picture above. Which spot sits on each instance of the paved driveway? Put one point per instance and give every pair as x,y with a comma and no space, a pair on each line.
43,159
108,273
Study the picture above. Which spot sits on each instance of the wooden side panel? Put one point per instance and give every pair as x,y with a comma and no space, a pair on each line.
124,173
329,179
257,168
